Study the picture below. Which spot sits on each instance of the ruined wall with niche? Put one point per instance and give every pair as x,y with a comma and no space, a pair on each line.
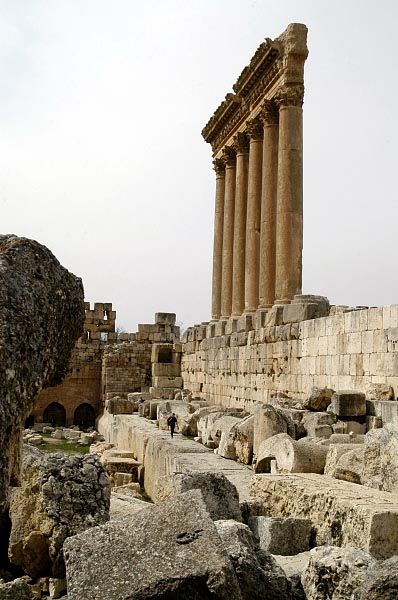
104,364
347,350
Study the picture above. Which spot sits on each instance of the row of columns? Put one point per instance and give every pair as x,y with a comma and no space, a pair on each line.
258,228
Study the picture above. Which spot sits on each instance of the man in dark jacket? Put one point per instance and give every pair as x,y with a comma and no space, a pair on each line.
172,422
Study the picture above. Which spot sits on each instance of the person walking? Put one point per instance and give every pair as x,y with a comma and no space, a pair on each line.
172,422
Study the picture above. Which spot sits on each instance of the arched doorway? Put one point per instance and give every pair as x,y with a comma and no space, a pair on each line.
84,416
55,414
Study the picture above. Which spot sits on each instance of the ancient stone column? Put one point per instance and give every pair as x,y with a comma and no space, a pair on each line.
289,231
219,167
229,156
269,117
241,145
252,259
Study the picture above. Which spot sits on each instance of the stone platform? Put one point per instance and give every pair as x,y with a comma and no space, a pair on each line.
160,455
343,514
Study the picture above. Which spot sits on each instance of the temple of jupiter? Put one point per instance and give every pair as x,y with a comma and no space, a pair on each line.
256,138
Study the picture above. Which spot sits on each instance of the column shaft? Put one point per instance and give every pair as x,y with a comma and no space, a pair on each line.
252,261
219,168
289,241
238,280
268,206
228,233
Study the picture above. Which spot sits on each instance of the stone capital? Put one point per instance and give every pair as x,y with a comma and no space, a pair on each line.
292,95
255,129
269,114
229,156
219,167
240,143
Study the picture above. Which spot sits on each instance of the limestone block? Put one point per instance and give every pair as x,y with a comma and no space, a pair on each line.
337,573
268,421
335,451
291,456
282,536
348,404
259,576
373,422
381,580
318,424
222,425
119,464
380,391
35,440
318,400
274,316
294,313
166,370
243,437
119,406
350,465
71,434
346,438
165,318
120,479
181,409
342,513
136,558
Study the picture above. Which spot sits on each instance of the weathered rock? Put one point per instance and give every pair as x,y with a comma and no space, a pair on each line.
318,400
268,421
123,506
381,581
348,404
335,573
219,494
259,576
350,465
161,552
380,391
282,536
242,437
293,567
120,406
335,451
291,456
181,409
56,587
100,447
342,513
59,496
15,590
41,317
318,424
209,415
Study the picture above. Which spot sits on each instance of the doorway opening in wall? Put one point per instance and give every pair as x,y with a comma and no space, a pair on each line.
165,355
55,414
84,416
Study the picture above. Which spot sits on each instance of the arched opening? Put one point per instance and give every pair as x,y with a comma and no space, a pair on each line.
55,414
84,416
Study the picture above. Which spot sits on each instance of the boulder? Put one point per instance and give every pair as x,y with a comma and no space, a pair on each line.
318,400
259,576
268,421
348,404
318,424
381,581
219,494
350,465
380,391
120,406
171,550
15,590
41,317
291,456
59,496
282,536
336,573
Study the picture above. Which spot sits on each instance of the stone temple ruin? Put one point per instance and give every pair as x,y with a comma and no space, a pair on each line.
282,480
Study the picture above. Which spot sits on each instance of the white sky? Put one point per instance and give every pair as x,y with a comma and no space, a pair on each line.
101,156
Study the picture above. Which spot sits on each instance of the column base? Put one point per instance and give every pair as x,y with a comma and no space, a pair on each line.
245,322
231,325
220,327
259,317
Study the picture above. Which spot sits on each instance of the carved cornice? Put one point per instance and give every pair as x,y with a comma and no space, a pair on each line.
269,113
240,143
219,166
292,95
275,63
255,129
229,156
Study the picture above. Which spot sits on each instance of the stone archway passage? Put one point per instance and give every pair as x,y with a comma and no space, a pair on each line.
84,416
55,414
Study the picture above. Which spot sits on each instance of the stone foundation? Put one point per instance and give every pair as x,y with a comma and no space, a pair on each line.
344,351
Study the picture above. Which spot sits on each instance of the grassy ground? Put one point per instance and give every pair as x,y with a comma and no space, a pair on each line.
65,446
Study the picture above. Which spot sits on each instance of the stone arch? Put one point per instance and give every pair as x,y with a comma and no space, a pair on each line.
55,414
84,416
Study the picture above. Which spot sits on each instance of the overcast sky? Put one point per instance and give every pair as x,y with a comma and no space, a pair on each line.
101,156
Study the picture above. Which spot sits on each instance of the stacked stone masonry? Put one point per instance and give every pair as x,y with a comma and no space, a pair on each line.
346,350
256,138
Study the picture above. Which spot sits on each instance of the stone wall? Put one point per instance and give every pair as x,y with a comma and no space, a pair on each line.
346,350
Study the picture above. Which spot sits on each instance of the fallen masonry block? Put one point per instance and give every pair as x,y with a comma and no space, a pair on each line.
342,513
348,404
284,537
167,551
291,456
